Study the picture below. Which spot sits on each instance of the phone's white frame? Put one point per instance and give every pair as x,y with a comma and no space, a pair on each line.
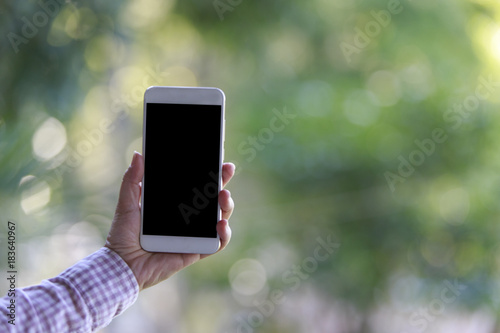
183,95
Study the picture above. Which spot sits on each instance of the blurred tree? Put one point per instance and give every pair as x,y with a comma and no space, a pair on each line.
365,85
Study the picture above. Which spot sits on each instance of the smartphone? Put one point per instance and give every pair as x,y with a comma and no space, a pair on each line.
183,149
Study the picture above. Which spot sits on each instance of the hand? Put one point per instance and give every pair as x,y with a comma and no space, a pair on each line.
151,268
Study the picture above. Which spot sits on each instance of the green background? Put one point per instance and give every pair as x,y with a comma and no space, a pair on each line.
389,150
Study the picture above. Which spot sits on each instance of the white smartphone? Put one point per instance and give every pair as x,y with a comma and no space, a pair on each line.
183,148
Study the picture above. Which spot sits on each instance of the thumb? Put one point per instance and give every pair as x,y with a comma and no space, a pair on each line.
130,191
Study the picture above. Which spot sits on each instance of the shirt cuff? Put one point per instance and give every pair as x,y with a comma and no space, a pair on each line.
105,282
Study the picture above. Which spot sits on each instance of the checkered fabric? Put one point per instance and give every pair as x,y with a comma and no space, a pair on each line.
83,298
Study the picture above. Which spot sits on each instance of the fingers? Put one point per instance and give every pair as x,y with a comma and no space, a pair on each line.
136,169
130,190
226,204
224,232
227,173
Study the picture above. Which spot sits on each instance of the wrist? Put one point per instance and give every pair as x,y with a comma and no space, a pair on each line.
128,258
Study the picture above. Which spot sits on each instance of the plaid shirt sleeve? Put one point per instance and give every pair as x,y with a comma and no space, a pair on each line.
83,298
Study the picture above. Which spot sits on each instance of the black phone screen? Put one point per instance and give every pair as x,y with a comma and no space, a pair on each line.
182,155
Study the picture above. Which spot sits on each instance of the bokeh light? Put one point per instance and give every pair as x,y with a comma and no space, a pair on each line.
36,196
354,155
49,139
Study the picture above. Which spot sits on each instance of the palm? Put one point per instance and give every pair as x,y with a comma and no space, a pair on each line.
150,268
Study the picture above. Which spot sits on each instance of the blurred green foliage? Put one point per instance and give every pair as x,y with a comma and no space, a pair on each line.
361,85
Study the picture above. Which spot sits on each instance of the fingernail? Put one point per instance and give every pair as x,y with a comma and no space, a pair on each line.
134,158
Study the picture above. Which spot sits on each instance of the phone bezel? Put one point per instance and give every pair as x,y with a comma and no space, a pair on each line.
182,95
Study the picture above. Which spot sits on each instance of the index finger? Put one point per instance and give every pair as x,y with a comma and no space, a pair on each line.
227,173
